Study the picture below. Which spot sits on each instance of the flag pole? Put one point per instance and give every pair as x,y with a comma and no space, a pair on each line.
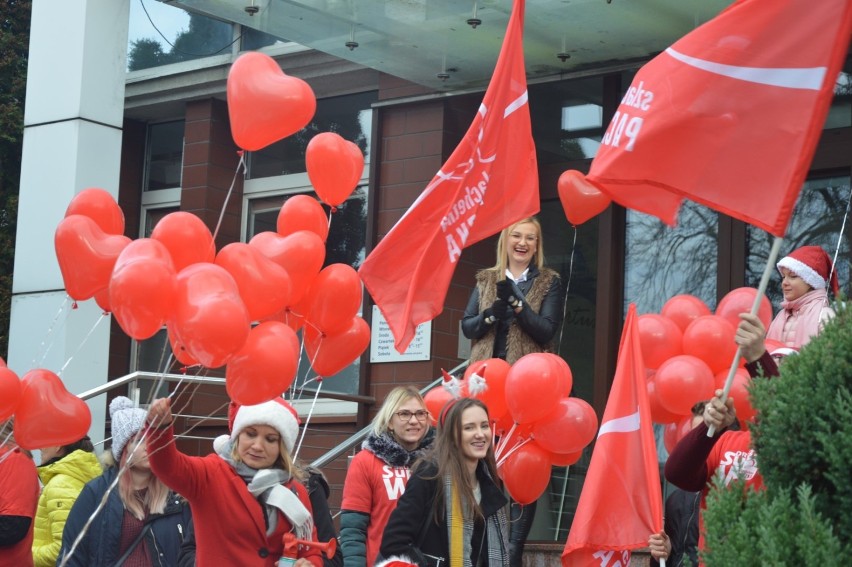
761,289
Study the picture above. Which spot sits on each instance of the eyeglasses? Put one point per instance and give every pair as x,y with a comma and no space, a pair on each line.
406,415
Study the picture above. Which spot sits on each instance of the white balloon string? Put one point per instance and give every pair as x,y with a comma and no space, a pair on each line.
567,287
307,421
38,359
839,240
504,441
512,451
82,343
240,165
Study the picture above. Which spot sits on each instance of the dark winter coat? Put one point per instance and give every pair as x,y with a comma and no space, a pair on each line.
531,330
413,532
100,544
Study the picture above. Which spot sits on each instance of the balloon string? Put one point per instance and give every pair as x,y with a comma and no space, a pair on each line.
567,287
307,421
512,451
121,470
82,343
38,359
839,240
504,441
301,388
240,165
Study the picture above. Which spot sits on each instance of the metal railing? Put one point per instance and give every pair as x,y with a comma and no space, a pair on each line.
131,380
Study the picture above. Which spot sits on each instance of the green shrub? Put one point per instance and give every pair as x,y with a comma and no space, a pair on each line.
803,440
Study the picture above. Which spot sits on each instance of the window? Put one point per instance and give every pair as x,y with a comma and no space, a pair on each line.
350,116
663,261
840,112
567,119
160,34
164,155
817,220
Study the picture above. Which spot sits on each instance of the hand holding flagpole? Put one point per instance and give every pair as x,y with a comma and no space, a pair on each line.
761,289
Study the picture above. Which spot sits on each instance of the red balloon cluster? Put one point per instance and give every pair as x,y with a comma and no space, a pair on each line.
688,351
530,409
208,300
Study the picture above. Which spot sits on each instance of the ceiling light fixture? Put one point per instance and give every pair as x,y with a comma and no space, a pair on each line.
251,9
563,55
474,21
351,44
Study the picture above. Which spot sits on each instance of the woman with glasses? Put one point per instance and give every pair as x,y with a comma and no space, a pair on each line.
514,310
454,511
516,305
378,474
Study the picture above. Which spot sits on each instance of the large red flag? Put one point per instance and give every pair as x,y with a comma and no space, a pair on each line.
730,115
621,504
489,182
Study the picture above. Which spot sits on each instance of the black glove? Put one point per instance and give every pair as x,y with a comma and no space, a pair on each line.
501,308
504,289
488,316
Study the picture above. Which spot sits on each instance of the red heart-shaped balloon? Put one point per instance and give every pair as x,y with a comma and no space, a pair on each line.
334,166
47,414
302,254
99,205
263,284
10,392
86,255
265,366
264,104
580,199
329,354
210,319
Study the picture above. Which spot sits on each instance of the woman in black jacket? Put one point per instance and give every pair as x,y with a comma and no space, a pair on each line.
453,512
514,310
142,522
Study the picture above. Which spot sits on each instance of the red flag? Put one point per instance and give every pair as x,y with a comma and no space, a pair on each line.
730,115
489,182
621,504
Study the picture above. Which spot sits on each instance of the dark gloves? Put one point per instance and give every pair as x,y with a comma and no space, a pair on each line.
504,289
500,308
488,316
508,291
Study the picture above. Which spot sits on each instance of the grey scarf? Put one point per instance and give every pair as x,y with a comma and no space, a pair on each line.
267,486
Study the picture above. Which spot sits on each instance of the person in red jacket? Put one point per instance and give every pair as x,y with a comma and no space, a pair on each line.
697,458
245,497
18,499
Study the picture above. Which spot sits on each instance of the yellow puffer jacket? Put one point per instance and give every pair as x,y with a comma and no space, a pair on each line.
63,481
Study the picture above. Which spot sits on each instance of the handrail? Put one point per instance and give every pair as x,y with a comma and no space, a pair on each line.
329,456
347,444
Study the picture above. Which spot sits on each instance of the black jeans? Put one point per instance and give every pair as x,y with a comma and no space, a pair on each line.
521,520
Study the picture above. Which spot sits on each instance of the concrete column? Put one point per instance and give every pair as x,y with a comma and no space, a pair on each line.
72,140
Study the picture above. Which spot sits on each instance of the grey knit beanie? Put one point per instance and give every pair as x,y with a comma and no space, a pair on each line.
127,421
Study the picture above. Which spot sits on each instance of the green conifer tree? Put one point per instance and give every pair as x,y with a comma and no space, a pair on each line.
803,439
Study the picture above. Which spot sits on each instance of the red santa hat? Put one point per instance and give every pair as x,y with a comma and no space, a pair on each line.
275,413
813,265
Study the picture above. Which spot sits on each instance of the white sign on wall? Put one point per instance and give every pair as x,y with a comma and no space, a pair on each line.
381,342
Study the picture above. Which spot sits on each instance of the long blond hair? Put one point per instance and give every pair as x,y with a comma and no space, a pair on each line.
154,499
503,253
